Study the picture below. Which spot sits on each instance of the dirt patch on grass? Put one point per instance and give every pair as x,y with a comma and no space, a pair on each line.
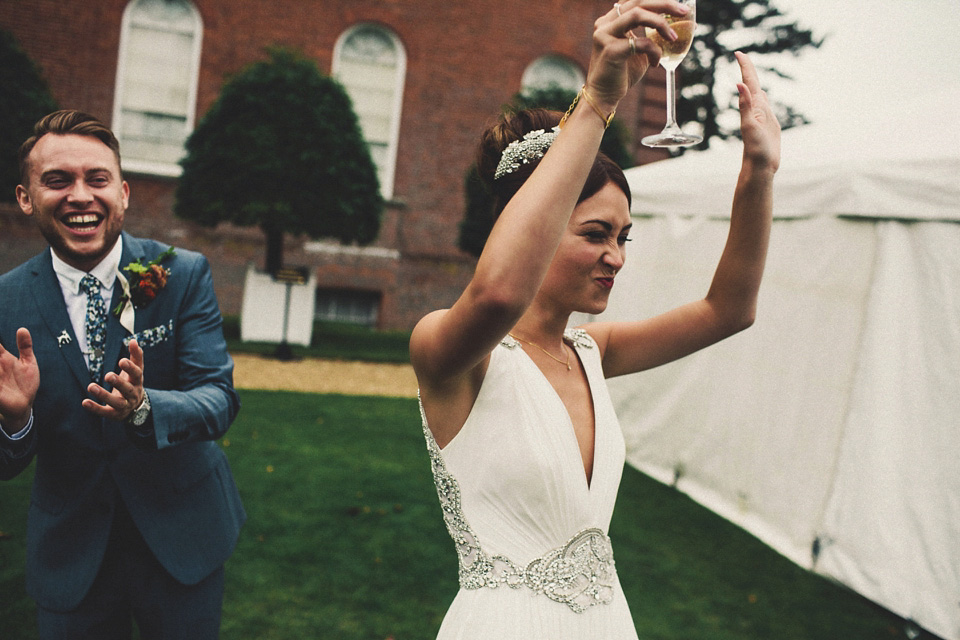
324,376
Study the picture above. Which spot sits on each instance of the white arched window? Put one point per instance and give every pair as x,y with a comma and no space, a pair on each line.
156,92
370,62
552,71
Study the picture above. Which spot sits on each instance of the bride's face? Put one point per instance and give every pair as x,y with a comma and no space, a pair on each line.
591,253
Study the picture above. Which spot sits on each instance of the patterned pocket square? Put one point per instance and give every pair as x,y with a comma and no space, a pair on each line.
151,337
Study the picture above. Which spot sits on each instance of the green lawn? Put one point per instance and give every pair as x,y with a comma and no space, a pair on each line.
344,540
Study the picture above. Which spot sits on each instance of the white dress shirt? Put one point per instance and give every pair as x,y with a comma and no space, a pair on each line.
76,300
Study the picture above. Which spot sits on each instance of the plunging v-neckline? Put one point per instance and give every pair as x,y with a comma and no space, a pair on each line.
572,431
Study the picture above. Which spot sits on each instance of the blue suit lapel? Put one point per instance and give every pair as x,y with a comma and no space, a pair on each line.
49,300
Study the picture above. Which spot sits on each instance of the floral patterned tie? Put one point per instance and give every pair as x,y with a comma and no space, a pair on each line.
96,324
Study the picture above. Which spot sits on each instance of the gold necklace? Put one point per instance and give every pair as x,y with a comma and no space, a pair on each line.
567,362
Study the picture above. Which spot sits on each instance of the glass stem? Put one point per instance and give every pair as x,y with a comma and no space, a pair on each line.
671,102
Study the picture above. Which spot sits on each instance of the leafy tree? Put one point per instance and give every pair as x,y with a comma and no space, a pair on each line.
282,149
478,218
726,26
24,99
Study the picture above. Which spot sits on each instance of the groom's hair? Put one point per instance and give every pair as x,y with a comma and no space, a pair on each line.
62,123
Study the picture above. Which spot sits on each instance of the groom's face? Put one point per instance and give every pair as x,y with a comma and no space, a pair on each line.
75,192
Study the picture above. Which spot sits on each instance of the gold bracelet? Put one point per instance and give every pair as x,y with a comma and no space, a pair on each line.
606,119
586,96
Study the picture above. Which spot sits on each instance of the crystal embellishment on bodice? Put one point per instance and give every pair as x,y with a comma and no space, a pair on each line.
579,574
577,337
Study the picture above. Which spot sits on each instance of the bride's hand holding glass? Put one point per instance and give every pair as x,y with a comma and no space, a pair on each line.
620,56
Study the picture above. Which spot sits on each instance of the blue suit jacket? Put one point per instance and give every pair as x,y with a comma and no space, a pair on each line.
177,483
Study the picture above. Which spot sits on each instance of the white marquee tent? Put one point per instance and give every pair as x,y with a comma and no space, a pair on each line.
830,429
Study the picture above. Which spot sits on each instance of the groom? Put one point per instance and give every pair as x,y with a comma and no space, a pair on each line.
118,381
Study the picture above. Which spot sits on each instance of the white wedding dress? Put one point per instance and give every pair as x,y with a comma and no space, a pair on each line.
530,533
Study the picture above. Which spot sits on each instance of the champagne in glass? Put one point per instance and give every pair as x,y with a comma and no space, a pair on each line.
673,53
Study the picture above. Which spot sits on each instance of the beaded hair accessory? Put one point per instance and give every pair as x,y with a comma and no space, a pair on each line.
531,147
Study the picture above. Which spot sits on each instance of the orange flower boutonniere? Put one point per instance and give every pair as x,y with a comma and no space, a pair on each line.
144,283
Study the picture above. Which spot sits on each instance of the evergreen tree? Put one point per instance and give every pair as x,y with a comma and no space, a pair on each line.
478,217
282,149
755,27
24,99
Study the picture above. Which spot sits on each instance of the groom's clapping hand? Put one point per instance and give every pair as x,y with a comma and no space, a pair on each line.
127,393
19,381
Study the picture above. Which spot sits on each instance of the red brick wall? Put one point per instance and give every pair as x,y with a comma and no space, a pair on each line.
463,61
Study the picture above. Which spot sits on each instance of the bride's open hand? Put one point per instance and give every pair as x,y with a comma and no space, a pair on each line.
758,123
621,51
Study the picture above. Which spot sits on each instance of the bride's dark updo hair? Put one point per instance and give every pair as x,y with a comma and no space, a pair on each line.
513,126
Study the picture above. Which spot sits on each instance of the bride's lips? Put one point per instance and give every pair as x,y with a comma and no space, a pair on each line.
606,283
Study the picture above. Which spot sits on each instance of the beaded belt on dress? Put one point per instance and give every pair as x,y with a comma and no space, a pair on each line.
579,574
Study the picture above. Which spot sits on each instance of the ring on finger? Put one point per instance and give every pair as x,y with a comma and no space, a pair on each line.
616,5
633,45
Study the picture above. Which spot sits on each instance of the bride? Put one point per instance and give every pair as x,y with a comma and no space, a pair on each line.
525,447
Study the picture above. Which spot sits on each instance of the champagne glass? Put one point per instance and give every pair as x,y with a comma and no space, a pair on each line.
673,53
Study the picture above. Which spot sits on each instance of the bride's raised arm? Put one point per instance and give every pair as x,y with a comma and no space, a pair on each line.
449,348
730,303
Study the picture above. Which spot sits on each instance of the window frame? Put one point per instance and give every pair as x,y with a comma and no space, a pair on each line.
525,84
387,179
369,302
140,165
